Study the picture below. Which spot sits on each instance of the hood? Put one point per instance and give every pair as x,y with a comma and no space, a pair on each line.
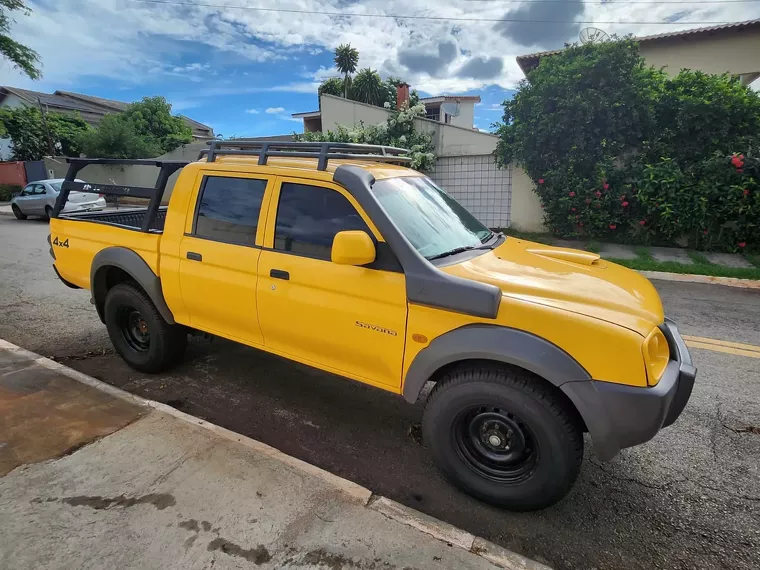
567,279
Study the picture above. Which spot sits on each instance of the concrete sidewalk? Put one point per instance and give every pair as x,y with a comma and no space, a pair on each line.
97,478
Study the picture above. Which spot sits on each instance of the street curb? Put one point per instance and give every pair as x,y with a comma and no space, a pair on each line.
3,212
707,279
444,532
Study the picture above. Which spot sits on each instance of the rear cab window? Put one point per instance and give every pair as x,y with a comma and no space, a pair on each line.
228,208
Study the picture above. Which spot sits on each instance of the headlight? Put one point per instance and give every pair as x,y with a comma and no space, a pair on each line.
656,355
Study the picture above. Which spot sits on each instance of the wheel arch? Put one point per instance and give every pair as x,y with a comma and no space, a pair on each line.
118,264
493,343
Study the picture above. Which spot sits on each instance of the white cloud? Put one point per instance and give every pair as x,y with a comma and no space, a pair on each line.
274,110
141,38
497,107
252,111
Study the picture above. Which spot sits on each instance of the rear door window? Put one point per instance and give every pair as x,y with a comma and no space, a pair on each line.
228,209
308,217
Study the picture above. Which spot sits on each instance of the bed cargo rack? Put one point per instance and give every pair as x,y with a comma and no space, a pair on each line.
155,194
322,151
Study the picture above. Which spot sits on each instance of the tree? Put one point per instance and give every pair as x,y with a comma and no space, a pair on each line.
152,120
331,86
24,126
367,87
22,57
346,61
619,150
117,137
146,129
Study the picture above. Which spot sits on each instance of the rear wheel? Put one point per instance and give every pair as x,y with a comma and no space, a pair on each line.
17,212
138,331
503,436
48,212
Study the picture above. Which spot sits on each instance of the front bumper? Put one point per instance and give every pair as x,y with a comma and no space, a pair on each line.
619,416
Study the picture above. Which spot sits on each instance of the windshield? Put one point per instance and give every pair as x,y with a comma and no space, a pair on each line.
56,185
430,219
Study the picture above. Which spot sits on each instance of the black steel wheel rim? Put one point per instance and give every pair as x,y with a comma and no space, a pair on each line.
496,444
134,329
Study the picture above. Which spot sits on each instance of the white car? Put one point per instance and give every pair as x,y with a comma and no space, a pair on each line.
38,199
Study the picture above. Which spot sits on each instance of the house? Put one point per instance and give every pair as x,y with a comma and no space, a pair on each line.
465,167
461,112
730,48
91,109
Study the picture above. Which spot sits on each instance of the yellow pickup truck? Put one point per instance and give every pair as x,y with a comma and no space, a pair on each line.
340,257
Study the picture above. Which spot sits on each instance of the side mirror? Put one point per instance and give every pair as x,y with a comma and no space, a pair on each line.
352,247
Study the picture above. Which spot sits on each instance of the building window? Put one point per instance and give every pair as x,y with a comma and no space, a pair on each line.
433,113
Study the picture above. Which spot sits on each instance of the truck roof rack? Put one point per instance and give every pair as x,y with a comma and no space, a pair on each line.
323,151
167,168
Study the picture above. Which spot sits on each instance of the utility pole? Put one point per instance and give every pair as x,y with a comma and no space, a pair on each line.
51,147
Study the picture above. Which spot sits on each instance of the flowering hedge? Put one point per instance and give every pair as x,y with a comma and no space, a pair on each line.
620,151
397,131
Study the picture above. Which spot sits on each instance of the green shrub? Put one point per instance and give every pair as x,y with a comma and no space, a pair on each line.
620,151
8,190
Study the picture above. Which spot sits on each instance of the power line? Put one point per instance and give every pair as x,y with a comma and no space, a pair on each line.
436,18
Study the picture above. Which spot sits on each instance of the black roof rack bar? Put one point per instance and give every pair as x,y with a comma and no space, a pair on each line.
322,151
167,168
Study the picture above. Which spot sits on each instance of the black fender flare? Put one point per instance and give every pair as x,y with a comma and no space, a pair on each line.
136,267
496,343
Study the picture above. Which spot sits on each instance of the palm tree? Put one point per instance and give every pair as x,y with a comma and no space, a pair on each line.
346,60
367,87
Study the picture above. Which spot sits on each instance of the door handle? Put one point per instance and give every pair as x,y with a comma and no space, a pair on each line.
194,256
279,274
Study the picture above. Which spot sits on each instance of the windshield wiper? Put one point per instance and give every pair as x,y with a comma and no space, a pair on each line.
452,252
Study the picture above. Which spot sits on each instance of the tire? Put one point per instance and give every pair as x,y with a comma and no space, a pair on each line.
503,436
48,212
138,331
18,213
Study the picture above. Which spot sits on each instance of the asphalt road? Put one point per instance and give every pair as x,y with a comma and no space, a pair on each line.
688,499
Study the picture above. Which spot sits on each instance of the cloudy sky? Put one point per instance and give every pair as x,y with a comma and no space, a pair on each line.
244,70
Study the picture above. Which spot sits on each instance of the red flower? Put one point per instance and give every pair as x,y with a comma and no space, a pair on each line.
642,222
613,226
580,224
598,194
540,180
598,205
572,194
572,209
742,244
587,200
738,161
746,192
625,204
606,186
704,232
577,217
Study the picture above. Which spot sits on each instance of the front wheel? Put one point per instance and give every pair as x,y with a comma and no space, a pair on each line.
503,436
18,213
48,212
138,331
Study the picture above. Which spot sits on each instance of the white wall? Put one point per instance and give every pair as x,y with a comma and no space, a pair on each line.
733,51
526,213
466,117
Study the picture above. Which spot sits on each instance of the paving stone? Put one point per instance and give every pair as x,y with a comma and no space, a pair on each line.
670,254
615,251
728,259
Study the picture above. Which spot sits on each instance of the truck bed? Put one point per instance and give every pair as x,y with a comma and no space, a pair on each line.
128,218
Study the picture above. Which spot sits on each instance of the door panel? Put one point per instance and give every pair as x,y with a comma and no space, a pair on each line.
219,255
347,319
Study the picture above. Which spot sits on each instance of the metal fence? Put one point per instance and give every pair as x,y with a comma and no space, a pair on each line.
479,185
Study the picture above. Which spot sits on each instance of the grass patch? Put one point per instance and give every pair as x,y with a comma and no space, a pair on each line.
648,263
698,259
593,247
538,237
754,259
